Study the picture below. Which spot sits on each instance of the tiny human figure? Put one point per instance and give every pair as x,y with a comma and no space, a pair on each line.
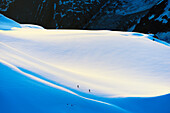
78,86
89,90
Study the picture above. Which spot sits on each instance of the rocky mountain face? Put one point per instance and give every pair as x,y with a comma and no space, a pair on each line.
147,16
4,4
31,11
157,21
53,13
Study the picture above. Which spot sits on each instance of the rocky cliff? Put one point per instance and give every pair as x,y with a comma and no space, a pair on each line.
147,16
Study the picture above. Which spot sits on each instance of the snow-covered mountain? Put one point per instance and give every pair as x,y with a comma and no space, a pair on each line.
80,71
146,16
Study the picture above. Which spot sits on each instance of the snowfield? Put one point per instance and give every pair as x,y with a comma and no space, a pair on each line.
78,71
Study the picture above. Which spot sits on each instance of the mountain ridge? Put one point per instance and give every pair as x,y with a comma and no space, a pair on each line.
118,15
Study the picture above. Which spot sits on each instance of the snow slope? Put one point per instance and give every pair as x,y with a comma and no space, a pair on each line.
40,70
103,61
19,94
7,24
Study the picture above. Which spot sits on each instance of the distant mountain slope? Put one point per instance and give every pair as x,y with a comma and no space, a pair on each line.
4,4
124,15
157,21
32,11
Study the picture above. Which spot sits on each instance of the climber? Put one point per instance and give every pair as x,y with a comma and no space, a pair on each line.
89,90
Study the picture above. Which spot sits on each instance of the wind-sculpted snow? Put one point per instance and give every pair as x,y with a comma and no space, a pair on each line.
78,71
102,61
29,77
28,93
35,92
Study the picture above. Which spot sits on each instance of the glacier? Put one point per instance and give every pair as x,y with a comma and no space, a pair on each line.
117,72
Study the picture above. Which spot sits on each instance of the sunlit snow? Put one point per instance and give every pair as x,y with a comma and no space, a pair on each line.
104,64
108,63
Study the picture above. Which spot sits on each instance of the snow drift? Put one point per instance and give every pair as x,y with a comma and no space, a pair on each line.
40,70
